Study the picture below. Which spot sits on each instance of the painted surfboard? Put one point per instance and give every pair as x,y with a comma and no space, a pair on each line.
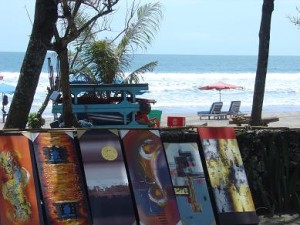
19,195
149,176
227,176
108,189
189,183
63,188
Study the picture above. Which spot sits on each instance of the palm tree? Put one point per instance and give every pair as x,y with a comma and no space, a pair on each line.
108,62
40,39
262,63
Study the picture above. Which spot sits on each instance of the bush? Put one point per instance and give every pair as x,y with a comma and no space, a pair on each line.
35,120
271,159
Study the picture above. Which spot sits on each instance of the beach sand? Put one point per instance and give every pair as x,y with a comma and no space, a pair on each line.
280,220
286,119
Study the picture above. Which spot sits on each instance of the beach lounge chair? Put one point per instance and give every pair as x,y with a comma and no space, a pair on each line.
234,109
214,112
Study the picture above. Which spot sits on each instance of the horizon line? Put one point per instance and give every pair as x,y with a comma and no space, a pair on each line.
179,54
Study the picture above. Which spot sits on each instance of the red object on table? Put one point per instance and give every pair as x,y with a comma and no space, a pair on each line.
176,121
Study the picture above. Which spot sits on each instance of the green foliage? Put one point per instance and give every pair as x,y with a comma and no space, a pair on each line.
281,176
141,32
273,169
134,78
106,61
35,120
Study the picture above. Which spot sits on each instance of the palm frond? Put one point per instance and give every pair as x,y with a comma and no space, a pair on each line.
135,76
104,62
141,32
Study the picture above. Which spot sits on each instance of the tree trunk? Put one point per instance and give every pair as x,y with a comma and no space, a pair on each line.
40,39
45,103
262,62
68,116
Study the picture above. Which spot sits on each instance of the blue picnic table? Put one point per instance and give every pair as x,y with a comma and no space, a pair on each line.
106,105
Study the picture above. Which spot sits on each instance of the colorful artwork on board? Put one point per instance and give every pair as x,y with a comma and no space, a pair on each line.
106,177
19,203
61,178
189,183
227,176
150,178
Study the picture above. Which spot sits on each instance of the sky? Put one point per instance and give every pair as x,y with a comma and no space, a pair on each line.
194,27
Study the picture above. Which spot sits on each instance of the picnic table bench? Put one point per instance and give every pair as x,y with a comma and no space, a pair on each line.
116,110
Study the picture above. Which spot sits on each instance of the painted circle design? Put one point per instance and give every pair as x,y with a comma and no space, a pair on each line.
109,153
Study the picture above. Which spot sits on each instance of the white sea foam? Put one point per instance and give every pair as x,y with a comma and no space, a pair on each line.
179,93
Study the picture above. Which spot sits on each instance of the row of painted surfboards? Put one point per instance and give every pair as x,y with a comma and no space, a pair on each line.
114,177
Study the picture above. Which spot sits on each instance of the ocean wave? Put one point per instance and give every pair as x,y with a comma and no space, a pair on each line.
180,91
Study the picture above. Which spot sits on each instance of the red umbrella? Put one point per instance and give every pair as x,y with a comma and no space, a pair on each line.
220,86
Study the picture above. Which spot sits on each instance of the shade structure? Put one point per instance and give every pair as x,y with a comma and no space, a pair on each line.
219,86
7,88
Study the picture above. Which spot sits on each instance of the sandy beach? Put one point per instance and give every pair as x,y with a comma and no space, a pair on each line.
286,119
280,220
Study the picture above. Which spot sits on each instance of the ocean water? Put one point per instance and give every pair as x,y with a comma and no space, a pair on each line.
175,82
